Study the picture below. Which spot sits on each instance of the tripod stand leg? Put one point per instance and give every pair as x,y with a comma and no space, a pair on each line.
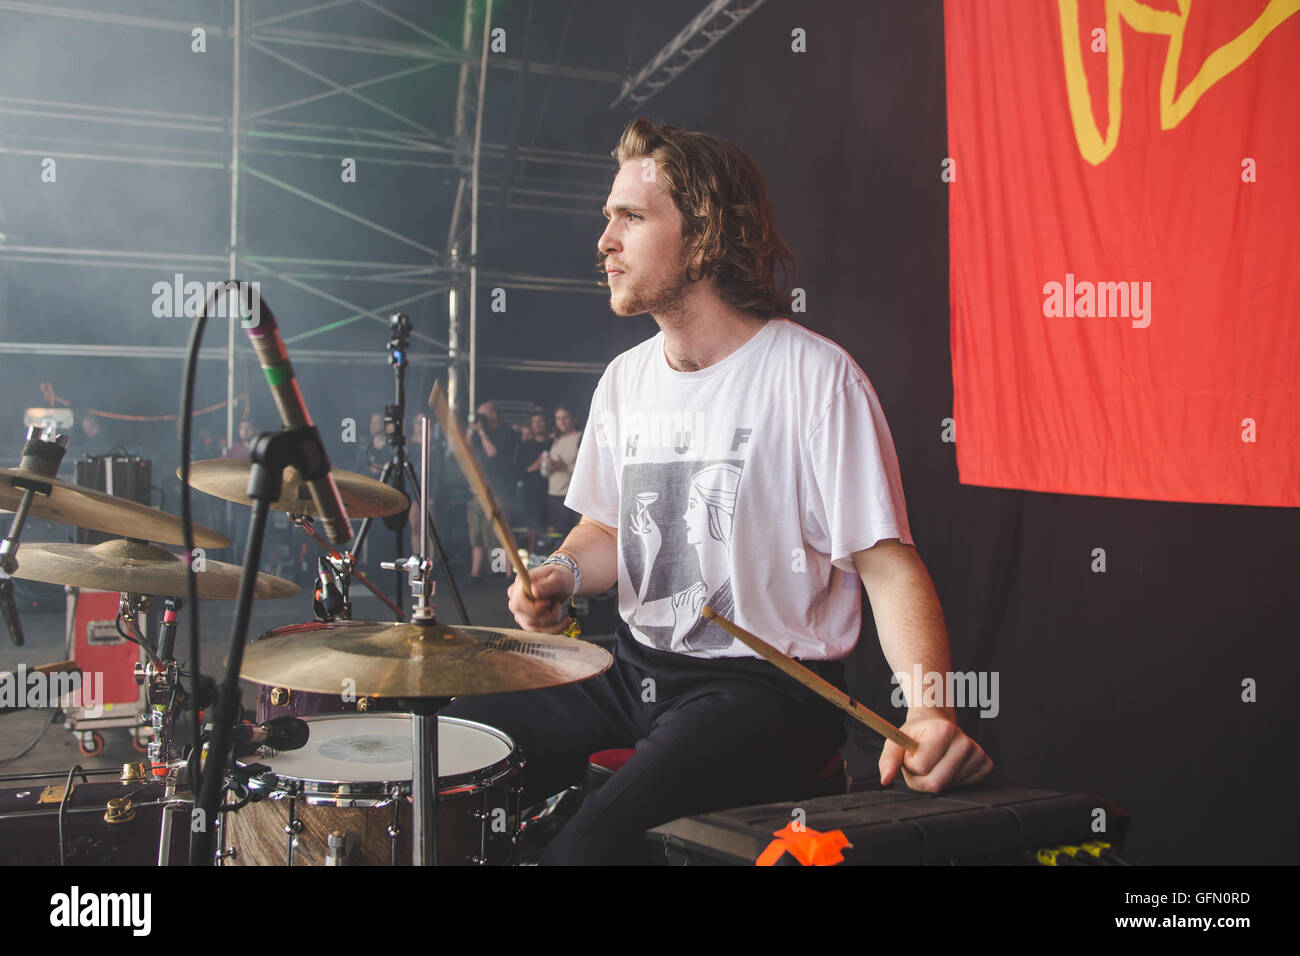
389,467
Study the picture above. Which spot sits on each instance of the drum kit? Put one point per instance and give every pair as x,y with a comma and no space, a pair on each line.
346,773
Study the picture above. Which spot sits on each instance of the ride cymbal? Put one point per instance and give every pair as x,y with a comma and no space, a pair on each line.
363,497
136,568
413,660
66,503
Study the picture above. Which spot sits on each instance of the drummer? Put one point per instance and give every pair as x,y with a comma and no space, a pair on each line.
737,460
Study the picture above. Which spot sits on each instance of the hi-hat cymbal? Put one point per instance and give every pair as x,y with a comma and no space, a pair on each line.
413,660
363,497
72,504
119,565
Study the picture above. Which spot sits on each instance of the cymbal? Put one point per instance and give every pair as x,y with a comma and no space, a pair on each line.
413,660
72,504
120,565
363,497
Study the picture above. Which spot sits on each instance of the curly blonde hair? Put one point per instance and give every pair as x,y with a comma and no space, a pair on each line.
728,216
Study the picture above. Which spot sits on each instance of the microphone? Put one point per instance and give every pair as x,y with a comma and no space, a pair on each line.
279,733
265,338
329,600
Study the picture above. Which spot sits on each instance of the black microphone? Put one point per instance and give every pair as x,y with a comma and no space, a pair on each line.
265,337
279,733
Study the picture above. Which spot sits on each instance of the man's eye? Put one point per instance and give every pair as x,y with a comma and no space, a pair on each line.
632,215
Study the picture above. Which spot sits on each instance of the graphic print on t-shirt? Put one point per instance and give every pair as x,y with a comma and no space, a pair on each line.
676,540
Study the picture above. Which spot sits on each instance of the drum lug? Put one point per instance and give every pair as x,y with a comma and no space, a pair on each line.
337,852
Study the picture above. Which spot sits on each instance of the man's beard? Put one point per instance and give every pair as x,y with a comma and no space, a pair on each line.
665,299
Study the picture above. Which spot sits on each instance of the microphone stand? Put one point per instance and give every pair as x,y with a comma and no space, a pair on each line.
270,453
398,470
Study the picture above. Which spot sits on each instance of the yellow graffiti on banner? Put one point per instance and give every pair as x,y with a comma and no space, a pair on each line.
1174,107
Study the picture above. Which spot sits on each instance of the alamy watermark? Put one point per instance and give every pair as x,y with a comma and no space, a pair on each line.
133,911
974,689
33,689
1085,300
177,299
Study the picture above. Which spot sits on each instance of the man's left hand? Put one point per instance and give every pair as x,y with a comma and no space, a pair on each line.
945,757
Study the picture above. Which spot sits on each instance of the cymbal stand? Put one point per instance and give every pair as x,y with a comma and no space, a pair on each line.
397,471
42,453
424,711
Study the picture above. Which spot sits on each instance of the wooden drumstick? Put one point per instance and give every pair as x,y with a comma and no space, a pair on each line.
58,667
469,464
814,683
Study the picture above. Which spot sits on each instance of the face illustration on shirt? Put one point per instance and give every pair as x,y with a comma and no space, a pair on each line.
642,248
696,518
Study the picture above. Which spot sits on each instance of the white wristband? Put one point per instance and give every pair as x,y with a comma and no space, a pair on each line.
566,561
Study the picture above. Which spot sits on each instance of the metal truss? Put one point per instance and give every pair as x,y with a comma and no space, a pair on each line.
557,181
248,140
709,26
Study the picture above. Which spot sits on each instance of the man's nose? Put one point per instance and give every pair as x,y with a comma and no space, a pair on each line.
607,243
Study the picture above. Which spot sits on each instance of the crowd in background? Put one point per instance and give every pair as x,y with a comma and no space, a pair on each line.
528,462
528,465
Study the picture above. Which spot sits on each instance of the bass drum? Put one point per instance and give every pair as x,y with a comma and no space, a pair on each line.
345,798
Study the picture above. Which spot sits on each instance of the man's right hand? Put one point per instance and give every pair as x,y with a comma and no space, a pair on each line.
551,584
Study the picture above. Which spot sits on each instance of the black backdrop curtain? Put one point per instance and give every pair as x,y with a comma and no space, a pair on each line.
1128,683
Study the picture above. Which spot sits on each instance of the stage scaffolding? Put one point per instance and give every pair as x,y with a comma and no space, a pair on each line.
253,132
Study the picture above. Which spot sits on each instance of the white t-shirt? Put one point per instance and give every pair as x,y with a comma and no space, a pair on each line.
747,485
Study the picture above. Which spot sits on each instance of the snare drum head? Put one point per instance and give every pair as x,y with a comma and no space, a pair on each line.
372,748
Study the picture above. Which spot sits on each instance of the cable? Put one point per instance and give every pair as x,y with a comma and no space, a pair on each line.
185,424
63,805
49,722
118,624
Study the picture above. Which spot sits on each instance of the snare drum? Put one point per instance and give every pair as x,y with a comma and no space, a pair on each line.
345,798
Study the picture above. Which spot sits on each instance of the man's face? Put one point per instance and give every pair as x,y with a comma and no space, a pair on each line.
642,247
487,413
538,425
563,421
376,424
245,431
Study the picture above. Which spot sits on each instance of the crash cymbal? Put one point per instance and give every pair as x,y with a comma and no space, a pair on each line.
72,504
120,565
413,660
363,497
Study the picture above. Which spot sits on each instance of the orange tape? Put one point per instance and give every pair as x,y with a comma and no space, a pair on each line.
808,846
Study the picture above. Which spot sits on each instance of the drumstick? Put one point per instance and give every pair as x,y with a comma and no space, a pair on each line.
478,483
814,683
57,667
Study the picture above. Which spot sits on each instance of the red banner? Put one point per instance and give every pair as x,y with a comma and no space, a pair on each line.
1124,228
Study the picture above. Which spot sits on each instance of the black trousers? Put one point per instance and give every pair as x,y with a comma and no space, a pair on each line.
709,735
